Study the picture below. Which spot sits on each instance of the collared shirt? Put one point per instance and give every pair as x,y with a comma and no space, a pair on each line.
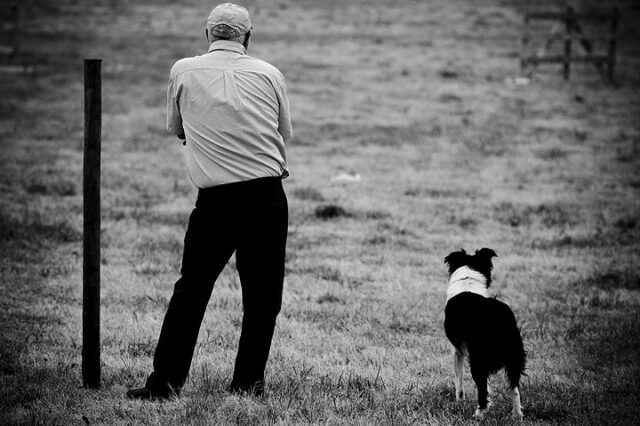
233,110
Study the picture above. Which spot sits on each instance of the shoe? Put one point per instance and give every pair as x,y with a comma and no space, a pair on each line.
253,389
167,392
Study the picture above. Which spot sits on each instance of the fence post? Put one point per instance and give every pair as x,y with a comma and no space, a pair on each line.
91,241
611,54
9,30
525,46
567,43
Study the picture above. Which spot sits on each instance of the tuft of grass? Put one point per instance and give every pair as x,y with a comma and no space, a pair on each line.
308,194
448,74
330,211
627,278
547,215
552,154
62,188
33,227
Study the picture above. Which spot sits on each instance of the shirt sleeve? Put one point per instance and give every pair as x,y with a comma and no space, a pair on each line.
174,119
284,116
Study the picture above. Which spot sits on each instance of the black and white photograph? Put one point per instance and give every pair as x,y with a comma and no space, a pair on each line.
319,212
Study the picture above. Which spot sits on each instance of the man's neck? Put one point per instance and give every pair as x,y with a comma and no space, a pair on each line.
232,46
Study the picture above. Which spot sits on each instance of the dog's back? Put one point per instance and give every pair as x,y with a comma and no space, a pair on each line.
485,328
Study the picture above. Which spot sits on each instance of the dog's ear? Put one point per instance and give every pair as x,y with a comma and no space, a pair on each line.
456,259
455,256
486,253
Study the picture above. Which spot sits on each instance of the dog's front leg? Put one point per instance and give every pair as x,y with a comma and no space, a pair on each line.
458,365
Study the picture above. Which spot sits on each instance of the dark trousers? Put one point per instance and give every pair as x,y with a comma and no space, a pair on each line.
251,219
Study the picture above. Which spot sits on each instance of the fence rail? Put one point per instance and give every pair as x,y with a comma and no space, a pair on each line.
603,15
568,29
561,58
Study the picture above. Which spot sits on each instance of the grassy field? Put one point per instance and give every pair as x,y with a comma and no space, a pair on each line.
409,95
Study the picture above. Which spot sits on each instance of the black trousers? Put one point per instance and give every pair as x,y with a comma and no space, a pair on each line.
249,218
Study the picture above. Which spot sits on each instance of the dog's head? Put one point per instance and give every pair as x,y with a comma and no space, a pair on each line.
480,261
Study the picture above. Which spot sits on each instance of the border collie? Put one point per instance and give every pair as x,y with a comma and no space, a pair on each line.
481,328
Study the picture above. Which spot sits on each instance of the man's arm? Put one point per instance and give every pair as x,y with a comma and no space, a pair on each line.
174,118
284,116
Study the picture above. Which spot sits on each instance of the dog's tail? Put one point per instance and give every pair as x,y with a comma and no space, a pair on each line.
516,360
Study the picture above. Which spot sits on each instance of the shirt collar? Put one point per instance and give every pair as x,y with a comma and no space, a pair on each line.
227,45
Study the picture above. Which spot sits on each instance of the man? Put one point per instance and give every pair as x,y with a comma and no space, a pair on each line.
233,112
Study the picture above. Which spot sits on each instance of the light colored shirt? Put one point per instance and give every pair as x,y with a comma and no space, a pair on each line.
233,110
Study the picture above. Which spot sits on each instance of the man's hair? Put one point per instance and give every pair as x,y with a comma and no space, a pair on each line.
242,39
239,39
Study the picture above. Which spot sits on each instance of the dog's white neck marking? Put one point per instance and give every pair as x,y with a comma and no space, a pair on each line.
465,279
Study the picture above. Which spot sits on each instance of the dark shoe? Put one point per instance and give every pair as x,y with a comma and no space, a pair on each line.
253,389
160,394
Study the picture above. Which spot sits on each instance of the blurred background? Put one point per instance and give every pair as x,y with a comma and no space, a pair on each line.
415,135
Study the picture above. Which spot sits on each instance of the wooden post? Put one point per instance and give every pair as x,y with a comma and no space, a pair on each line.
15,34
567,43
611,54
9,29
91,242
525,46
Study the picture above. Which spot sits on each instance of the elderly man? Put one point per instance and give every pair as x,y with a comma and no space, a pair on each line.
232,111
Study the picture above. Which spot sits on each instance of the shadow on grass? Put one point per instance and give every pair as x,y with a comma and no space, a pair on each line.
29,393
611,343
26,264
34,228
586,402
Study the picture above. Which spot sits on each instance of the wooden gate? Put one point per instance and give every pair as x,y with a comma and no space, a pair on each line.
568,27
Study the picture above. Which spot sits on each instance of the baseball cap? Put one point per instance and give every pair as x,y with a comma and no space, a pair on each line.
229,20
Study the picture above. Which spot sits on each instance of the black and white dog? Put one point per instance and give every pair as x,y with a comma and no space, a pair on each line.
481,327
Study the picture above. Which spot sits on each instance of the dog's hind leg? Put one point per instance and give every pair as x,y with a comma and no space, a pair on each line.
458,367
513,374
517,407
480,377
489,395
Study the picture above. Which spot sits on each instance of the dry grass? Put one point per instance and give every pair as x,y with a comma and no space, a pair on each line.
409,95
